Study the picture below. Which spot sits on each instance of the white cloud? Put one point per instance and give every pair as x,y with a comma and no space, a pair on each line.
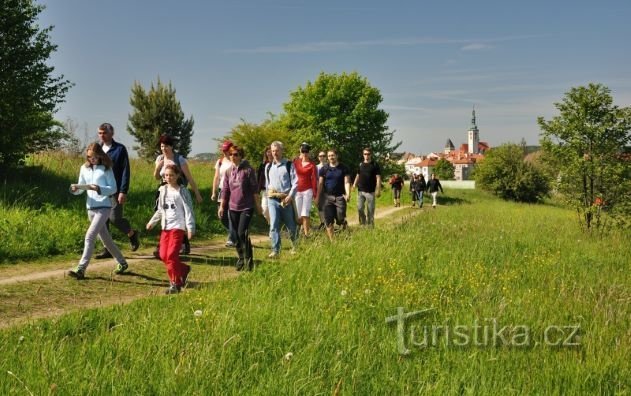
476,47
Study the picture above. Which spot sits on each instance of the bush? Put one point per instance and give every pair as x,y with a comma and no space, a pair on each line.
505,173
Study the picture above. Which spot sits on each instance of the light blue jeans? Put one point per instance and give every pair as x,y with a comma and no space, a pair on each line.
367,217
98,218
277,213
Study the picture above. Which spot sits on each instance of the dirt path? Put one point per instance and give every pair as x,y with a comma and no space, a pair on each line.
39,291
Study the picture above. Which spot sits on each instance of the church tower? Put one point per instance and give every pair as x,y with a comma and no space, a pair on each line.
474,136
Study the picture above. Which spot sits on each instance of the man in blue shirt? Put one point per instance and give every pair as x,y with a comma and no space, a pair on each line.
118,153
335,184
281,184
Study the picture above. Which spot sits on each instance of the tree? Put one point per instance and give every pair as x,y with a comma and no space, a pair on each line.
29,93
586,144
253,138
505,173
444,169
341,112
157,113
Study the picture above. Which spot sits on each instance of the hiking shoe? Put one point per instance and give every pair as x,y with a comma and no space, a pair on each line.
229,243
173,289
185,276
77,273
273,255
103,255
240,264
134,242
120,268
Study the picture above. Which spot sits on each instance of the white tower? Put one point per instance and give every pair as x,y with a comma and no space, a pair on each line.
474,136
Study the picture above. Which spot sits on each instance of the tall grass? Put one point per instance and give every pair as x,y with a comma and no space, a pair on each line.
315,323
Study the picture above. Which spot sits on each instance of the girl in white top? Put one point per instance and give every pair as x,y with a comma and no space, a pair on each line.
175,214
222,167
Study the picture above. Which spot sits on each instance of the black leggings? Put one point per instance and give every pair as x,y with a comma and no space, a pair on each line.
240,221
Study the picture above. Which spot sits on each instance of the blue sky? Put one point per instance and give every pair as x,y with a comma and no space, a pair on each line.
431,60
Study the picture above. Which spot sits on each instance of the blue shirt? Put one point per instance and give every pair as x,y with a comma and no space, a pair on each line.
277,178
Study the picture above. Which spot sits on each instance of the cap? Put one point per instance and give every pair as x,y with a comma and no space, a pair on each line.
226,145
305,147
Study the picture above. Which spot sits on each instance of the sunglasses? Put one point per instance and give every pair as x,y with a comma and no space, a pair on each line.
235,154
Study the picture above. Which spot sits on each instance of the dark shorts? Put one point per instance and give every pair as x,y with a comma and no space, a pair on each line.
334,209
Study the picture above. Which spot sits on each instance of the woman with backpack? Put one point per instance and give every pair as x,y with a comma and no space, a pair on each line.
171,157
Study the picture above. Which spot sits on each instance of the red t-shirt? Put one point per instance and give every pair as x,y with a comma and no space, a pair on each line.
307,175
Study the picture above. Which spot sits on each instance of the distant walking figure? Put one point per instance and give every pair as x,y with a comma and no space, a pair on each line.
417,187
396,182
433,186
368,183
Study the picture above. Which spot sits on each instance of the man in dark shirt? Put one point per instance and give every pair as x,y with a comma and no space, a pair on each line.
118,153
368,184
335,183
433,186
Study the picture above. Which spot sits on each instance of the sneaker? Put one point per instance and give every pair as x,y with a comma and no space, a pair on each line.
103,255
292,251
134,242
120,268
273,255
185,276
173,289
229,243
240,264
344,225
77,273
249,264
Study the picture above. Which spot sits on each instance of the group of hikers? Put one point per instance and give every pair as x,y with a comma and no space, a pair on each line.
281,190
418,186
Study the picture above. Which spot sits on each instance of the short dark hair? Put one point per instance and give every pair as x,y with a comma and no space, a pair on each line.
107,127
238,150
367,149
167,140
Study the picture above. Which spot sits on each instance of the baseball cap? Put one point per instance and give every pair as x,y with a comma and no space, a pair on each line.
305,147
226,145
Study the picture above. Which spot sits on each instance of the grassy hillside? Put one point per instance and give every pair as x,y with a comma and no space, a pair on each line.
520,301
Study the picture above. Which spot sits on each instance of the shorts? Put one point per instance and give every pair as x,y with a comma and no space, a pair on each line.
334,209
303,202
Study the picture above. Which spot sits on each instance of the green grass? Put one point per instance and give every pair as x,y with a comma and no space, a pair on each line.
315,323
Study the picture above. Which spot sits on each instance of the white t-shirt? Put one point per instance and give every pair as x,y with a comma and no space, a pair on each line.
226,165
175,217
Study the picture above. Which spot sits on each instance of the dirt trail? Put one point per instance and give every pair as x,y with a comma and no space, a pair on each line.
36,292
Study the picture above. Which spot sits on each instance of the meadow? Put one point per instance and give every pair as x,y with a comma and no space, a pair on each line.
512,299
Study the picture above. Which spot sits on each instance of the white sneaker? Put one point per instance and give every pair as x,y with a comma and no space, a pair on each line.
273,255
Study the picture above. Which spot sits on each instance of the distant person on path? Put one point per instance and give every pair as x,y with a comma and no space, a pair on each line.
175,214
120,160
282,183
335,184
417,187
396,183
307,173
433,186
368,184
239,198
170,157
222,166
97,179
320,201
260,176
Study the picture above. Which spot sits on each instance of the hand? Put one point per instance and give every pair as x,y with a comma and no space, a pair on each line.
378,193
347,197
220,212
73,188
94,187
287,200
213,196
190,235
198,197
122,198
149,226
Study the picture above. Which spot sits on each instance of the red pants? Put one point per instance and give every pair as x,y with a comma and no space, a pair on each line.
170,245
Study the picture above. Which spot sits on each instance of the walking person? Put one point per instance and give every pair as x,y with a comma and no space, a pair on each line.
417,187
239,198
96,177
175,214
320,201
170,157
396,183
307,173
282,183
260,176
433,186
222,166
335,184
120,166
368,184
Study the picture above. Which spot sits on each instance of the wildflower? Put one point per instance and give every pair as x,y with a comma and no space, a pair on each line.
198,312
343,293
288,356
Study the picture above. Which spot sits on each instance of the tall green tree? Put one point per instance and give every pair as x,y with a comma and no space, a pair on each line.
586,143
444,169
157,112
253,138
504,173
29,92
339,111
